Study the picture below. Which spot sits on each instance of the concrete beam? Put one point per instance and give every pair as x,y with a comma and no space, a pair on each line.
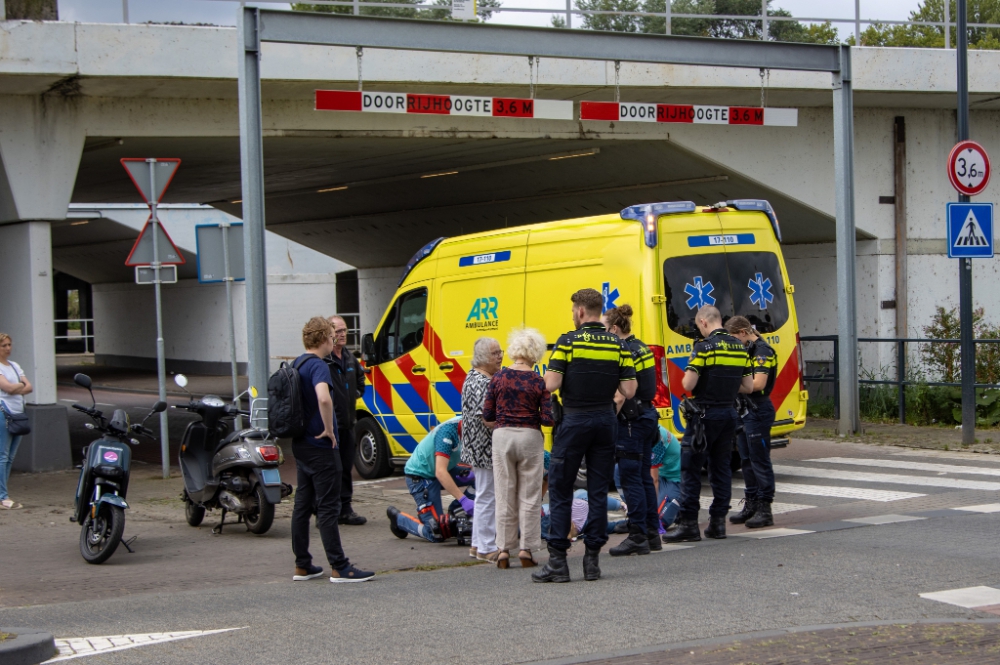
41,141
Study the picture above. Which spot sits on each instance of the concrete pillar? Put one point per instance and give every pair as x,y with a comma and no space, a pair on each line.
26,306
41,140
376,287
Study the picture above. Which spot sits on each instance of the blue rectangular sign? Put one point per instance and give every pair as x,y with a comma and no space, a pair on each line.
483,259
970,230
722,239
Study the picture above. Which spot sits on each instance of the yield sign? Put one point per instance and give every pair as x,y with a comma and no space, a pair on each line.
140,170
142,251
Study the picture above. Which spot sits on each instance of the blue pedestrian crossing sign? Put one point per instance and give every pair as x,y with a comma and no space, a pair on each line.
970,230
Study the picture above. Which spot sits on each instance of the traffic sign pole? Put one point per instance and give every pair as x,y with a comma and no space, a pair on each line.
232,323
968,346
161,370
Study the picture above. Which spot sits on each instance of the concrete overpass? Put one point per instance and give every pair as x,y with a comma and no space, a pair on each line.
74,98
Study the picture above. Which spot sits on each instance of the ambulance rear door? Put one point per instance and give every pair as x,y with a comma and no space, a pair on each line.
480,293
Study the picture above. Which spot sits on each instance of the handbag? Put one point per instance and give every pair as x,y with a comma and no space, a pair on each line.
17,423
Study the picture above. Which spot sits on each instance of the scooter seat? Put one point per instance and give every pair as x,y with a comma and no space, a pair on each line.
244,434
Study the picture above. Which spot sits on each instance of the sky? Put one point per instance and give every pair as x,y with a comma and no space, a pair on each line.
223,12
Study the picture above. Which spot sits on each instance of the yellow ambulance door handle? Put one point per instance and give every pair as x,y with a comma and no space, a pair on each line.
446,366
418,369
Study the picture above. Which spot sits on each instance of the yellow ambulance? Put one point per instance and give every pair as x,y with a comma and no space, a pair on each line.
664,259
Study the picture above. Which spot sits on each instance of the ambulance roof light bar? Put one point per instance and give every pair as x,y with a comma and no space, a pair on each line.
761,205
647,214
421,254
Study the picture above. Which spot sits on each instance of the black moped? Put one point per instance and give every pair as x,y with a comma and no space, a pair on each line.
100,493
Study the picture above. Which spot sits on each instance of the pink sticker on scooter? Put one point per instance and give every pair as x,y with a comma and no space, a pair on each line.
110,456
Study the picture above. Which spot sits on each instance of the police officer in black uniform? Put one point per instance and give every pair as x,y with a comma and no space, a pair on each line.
588,366
718,368
754,442
637,434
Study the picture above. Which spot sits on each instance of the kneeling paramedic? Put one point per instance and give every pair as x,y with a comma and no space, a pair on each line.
718,368
637,433
429,471
754,442
588,366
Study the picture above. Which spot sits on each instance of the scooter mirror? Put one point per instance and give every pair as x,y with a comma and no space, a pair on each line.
82,380
181,380
159,407
253,392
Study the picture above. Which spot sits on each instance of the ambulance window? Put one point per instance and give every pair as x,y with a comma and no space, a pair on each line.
758,289
693,281
403,329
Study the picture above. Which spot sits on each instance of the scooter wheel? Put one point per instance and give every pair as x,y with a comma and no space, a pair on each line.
261,515
99,536
194,513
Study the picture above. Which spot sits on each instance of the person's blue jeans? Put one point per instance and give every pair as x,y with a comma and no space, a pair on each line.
613,506
634,448
668,501
754,444
8,449
426,493
590,436
720,426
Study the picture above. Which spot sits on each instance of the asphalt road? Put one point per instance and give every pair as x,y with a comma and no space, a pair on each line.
871,529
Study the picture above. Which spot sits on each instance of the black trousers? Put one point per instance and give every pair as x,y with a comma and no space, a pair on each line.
319,477
720,425
348,449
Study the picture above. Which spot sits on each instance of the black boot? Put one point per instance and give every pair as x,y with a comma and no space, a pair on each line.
716,528
762,517
749,507
555,570
392,512
683,531
653,538
634,544
591,569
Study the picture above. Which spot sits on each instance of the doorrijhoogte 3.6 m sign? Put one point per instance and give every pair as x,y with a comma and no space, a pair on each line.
551,109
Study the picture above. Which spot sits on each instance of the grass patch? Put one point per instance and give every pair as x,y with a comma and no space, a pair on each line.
7,636
424,567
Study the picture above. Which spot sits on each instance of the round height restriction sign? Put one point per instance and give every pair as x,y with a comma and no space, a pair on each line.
968,168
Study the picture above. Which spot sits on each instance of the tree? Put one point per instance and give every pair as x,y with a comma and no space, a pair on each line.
32,10
932,36
440,10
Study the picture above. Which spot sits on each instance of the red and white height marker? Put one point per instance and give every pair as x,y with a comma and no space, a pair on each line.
688,113
402,102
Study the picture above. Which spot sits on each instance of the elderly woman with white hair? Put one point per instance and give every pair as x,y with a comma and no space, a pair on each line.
477,446
517,406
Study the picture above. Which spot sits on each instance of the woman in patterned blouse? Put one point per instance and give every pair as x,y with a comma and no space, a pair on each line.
477,446
517,405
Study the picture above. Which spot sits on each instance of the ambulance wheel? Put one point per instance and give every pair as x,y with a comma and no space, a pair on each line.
372,458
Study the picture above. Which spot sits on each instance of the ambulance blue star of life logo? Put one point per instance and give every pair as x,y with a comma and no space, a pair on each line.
760,291
700,293
610,296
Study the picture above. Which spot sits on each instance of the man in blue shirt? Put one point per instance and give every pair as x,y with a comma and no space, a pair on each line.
318,463
428,471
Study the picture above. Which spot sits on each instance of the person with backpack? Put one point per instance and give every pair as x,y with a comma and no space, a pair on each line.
314,443
348,385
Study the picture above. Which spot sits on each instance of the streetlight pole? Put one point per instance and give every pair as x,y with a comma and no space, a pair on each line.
968,344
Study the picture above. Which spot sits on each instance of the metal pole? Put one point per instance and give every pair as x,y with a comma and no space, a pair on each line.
252,168
965,265
899,214
763,20
569,13
232,323
857,22
668,16
125,11
947,26
901,378
161,370
847,331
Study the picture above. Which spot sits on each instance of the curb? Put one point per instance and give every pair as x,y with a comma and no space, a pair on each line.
30,647
763,634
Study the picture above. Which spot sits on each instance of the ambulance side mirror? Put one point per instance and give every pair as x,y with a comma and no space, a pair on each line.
368,349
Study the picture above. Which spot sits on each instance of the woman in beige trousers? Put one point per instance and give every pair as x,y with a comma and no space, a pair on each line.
517,405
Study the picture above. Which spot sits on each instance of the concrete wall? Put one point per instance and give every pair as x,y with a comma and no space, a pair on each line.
376,287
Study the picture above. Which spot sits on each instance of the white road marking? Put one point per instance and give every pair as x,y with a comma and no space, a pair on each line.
884,519
969,597
377,480
982,508
80,647
671,547
776,508
859,493
862,477
911,466
942,454
773,533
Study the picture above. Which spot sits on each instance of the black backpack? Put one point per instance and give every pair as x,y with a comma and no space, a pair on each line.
286,416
